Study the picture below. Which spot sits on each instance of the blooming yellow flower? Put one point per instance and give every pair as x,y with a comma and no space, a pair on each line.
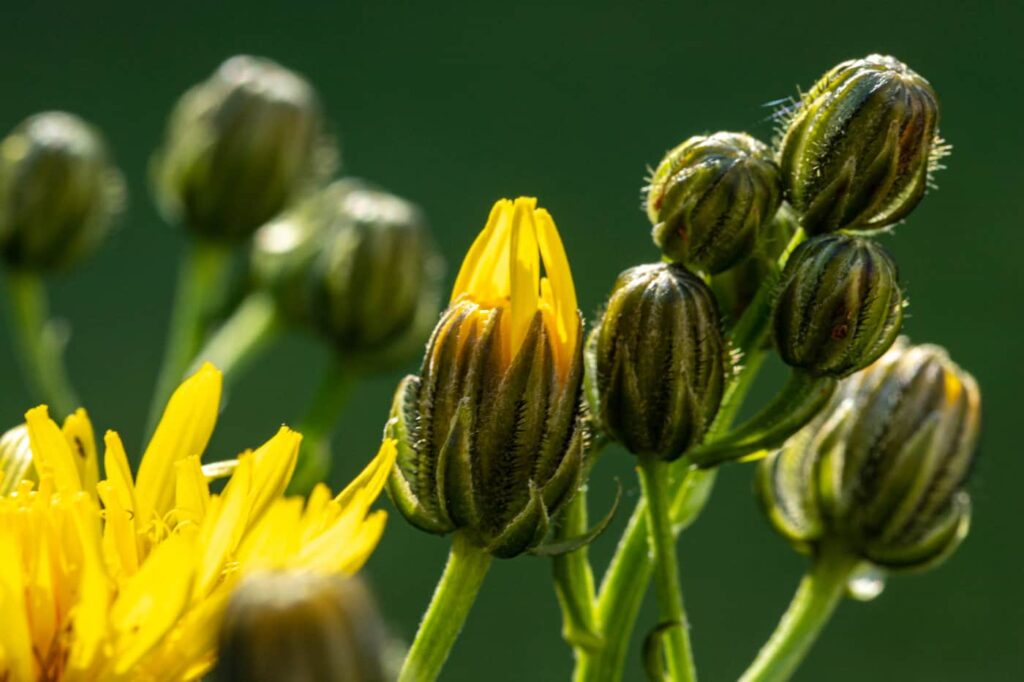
128,578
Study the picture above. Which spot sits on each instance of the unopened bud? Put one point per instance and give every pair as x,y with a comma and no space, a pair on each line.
15,459
859,149
710,197
59,192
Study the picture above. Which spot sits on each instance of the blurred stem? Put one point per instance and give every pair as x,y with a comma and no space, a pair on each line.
242,337
625,582
317,426
654,483
574,577
453,598
202,279
820,592
40,343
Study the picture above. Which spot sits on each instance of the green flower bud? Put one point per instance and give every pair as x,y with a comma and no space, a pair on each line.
882,470
300,626
839,306
859,149
359,265
240,147
490,433
15,459
59,192
709,198
660,361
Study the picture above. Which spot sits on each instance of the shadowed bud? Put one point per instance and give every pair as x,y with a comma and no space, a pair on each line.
300,626
15,459
490,433
59,192
882,470
359,265
659,360
859,149
240,146
839,307
709,198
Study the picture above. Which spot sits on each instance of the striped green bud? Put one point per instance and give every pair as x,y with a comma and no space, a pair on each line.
240,147
60,192
859,149
659,361
882,470
839,306
709,198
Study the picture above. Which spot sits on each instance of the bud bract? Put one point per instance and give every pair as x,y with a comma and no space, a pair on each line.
882,470
59,192
709,198
490,432
839,307
660,361
859,148
301,626
359,265
240,147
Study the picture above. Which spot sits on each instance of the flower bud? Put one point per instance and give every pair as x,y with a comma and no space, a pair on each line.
883,469
15,459
839,306
240,147
59,192
709,198
660,361
490,434
300,626
359,265
859,149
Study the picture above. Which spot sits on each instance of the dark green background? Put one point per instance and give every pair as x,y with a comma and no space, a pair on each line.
455,105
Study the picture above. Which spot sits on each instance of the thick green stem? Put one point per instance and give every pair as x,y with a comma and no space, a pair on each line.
40,343
453,598
202,279
317,426
816,599
243,337
654,482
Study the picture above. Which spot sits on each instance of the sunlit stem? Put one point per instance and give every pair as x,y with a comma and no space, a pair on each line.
243,337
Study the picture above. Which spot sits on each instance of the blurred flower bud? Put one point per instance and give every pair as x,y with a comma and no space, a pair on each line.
490,435
709,198
660,361
59,192
882,470
359,265
859,148
839,307
15,459
240,147
300,626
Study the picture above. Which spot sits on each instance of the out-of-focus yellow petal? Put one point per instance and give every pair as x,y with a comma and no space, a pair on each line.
345,546
150,602
79,434
16,658
223,526
184,429
89,614
367,486
273,465
191,491
50,451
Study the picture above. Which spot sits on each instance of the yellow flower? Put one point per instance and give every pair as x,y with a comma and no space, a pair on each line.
489,434
128,578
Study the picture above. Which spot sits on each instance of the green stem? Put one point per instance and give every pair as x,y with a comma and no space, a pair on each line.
816,599
243,337
202,279
453,598
654,482
40,343
316,427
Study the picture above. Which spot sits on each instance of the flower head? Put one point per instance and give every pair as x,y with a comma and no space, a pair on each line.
128,578
489,434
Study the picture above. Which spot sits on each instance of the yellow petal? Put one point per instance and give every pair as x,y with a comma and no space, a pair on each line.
191,491
484,275
367,486
50,451
16,658
120,543
223,526
119,474
556,269
79,434
184,430
525,271
89,616
273,465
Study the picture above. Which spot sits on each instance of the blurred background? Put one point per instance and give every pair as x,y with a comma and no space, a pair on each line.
456,104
